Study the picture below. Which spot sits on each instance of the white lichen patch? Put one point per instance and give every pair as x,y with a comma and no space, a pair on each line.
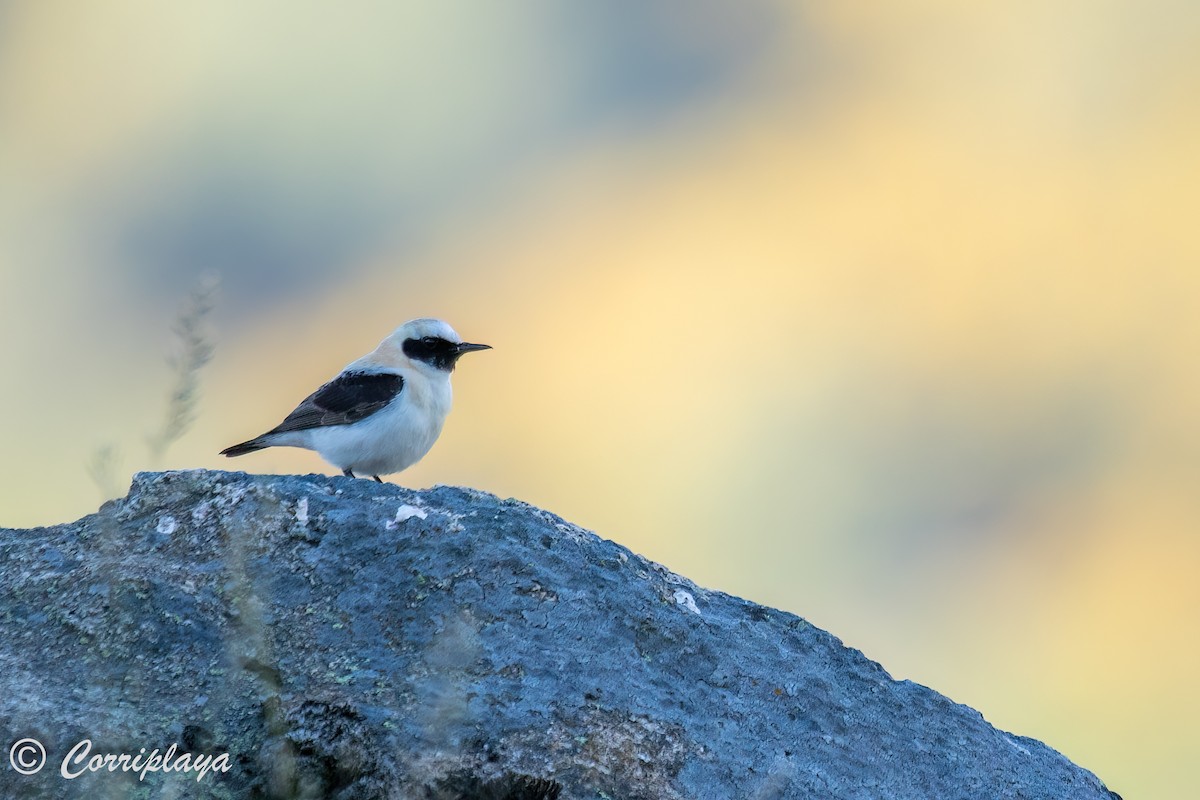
454,520
686,600
574,532
405,513
166,525
226,496
302,511
1016,745
201,512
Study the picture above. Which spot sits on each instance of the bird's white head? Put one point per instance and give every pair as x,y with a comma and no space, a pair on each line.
431,344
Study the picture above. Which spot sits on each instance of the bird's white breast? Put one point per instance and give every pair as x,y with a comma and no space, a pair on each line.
393,438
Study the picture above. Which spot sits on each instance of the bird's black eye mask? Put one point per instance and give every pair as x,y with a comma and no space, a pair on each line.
433,350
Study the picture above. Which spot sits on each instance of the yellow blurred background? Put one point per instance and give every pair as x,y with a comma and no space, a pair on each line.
884,314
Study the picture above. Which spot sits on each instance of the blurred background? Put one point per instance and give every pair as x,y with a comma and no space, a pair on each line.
884,314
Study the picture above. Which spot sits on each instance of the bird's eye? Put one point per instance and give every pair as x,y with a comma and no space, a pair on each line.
430,340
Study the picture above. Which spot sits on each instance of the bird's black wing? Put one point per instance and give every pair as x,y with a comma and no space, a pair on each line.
347,398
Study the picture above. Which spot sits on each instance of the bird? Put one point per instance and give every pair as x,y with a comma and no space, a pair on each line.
382,413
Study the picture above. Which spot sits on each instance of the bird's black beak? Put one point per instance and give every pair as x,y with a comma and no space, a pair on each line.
467,347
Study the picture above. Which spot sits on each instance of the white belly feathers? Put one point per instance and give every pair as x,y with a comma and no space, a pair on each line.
393,438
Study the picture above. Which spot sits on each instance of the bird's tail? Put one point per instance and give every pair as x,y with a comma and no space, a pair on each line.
245,447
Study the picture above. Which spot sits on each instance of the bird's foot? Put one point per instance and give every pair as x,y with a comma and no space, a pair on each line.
349,473
377,479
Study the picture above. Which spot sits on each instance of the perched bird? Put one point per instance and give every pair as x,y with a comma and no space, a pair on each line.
383,412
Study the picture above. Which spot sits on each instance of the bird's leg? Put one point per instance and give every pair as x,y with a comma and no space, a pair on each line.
349,473
377,479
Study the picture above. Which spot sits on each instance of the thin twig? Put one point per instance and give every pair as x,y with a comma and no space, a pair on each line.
193,349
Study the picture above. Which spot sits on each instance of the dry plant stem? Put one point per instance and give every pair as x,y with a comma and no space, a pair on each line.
193,349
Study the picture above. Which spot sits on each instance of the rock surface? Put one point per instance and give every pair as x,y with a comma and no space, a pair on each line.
344,639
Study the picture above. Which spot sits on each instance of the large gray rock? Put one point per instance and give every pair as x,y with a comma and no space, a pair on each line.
340,638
